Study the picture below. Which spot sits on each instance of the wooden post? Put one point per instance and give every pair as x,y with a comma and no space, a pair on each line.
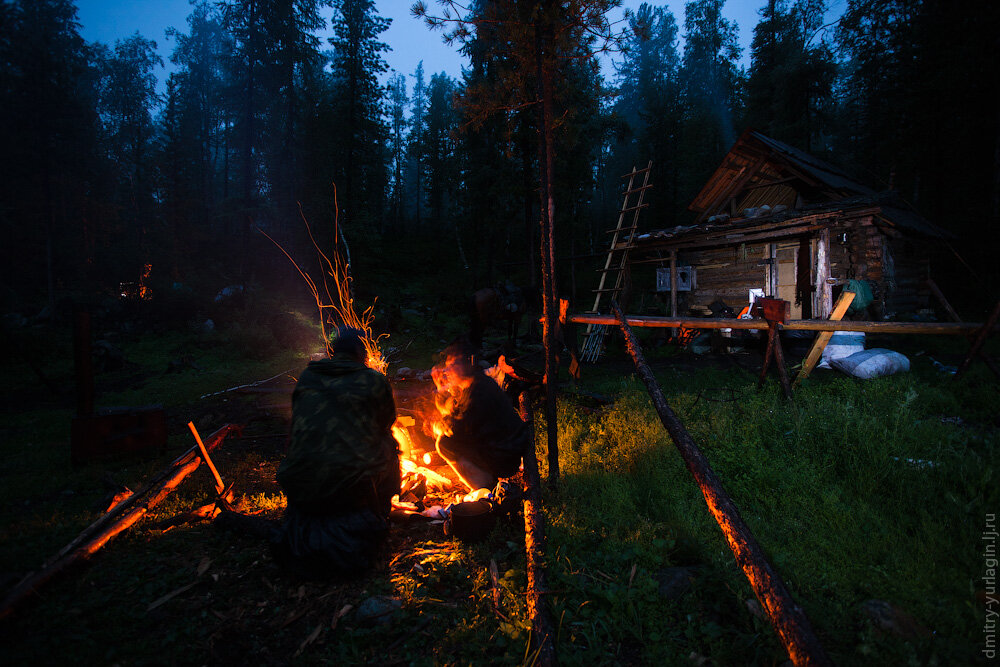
673,289
823,337
775,312
824,290
83,363
772,332
936,291
775,352
788,618
779,360
980,338
542,632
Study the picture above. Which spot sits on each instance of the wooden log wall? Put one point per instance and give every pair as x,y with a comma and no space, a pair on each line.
724,273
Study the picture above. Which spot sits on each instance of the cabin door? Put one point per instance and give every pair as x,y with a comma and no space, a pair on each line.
784,269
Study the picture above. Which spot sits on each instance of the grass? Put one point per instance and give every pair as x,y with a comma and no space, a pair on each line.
857,491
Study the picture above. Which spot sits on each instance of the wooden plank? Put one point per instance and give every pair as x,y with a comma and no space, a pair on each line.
843,303
932,328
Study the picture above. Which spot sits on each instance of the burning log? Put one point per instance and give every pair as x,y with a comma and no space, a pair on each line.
534,542
121,517
788,618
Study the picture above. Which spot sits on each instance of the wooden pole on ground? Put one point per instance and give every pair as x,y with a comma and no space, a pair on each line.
788,618
823,337
542,632
123,515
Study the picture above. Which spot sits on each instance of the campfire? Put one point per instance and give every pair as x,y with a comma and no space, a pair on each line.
418,435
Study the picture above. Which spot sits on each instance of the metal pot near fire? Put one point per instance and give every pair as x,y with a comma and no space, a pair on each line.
471,521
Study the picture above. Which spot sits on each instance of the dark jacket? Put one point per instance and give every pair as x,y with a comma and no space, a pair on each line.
341,449
486,428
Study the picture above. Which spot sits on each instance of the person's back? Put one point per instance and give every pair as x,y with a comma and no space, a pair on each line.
342,467
342,414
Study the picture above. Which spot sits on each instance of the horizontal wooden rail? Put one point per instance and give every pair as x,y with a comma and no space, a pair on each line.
949,328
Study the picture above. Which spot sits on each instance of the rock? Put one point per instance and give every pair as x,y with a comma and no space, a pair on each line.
107,356
674,581
377,609
754,607
405,372
14,321
208,326
887,617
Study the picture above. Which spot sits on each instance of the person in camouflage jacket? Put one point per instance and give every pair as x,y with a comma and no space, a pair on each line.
342,465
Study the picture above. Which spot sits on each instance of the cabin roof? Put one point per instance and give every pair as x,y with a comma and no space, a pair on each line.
766,186
764,223
759,170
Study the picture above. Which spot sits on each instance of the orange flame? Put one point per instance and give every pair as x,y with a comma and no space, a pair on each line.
451,384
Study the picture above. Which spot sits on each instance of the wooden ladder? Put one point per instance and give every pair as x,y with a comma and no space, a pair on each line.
621,243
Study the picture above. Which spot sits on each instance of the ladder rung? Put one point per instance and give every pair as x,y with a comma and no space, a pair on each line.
636,172
621,229
634,208
607,289
638,189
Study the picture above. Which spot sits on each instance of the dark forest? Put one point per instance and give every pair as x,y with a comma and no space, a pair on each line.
261,124
368,290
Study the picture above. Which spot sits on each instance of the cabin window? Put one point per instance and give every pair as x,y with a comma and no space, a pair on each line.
686,279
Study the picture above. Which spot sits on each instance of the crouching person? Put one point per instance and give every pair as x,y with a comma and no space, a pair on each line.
485,436
342,466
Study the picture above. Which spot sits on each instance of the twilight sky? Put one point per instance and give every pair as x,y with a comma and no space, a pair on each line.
410,39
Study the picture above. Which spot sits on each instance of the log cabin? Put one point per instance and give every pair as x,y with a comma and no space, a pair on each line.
775,219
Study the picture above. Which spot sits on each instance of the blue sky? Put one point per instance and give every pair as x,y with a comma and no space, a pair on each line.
410,39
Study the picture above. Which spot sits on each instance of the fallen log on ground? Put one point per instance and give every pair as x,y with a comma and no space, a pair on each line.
122,516
542,632
788,618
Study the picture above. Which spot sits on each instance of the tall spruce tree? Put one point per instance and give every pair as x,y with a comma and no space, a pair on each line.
126,98
49,177
648,109
358,101
419,109
711,89
398,122
791,78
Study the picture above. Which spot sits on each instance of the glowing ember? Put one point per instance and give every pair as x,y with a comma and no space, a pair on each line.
434,480
335,303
